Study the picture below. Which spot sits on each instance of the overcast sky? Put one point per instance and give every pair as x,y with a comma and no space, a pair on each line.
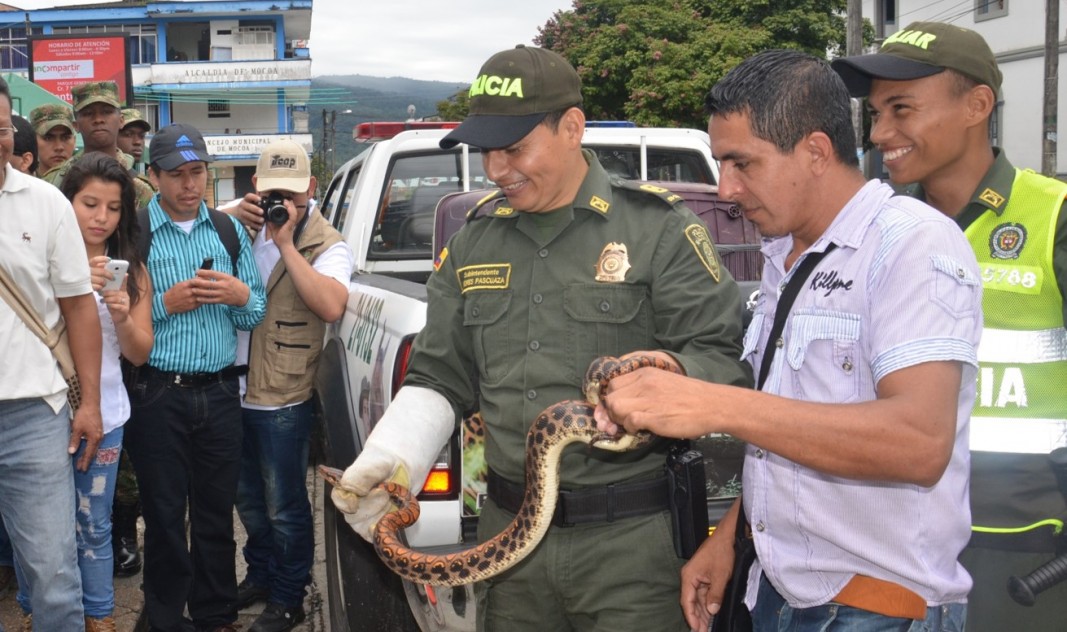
445,40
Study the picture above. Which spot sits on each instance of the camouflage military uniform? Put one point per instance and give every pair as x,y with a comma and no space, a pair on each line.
106,92
141,184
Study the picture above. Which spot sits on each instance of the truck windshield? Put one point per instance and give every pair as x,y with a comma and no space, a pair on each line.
667,165
416,182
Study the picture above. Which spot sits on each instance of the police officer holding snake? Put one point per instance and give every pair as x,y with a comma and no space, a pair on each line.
564,265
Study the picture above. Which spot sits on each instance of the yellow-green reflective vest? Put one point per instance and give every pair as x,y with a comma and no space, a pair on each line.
1021,403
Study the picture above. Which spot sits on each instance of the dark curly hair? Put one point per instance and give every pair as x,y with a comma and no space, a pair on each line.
121,244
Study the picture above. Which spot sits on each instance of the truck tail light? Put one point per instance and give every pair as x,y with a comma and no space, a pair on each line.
403,359
439,481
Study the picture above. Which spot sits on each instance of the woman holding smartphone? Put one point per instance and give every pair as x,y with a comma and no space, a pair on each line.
104,200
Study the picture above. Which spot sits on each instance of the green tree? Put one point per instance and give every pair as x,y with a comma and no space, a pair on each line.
652,61
455,107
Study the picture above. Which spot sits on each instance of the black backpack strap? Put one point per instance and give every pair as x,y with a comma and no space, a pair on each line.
228,234
223,226
144,236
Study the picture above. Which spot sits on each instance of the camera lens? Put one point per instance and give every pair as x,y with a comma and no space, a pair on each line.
277,214
274,209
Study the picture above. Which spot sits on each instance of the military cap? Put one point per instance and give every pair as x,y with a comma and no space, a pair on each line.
45,117
133,116
85,94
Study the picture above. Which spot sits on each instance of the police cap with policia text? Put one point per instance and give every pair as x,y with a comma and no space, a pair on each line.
513,93
922,49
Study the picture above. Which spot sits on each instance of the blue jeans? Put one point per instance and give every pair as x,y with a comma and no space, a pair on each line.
95,489
773,614
272,501
37,504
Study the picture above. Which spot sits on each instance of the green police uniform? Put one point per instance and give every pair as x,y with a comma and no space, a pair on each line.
1016,504
525,302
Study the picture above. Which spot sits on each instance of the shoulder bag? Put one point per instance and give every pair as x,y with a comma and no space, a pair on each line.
55,339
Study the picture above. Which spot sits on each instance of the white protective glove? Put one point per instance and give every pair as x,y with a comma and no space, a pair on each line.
411,434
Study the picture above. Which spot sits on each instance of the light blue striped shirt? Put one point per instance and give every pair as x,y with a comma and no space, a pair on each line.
901,288
203,340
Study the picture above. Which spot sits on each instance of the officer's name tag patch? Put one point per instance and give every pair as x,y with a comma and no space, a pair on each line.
705,249
487,276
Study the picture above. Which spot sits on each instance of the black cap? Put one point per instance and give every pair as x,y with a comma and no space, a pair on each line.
177,144
515,90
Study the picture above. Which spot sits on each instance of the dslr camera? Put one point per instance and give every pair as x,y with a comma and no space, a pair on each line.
274,210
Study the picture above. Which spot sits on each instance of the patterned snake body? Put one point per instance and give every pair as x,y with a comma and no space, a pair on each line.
554,429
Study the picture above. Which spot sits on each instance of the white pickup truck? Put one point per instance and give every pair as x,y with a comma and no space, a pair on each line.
385,203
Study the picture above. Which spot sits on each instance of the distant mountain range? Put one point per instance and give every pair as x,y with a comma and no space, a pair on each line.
370,99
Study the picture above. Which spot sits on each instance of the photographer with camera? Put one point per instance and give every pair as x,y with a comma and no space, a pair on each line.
306,265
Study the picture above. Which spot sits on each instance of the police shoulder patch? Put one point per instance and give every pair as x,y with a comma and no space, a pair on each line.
489,205
699,238
665,195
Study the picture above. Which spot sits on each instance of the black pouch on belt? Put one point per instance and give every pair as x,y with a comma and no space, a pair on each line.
688,494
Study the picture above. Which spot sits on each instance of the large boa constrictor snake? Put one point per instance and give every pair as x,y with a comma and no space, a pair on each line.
555,428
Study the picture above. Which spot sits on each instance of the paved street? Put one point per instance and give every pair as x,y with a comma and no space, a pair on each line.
129,599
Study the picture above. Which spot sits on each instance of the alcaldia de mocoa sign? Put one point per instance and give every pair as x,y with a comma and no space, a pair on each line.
231,73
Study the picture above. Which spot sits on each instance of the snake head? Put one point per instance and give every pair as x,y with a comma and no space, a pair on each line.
621,442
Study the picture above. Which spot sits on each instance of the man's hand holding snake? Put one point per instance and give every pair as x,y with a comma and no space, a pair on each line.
650,399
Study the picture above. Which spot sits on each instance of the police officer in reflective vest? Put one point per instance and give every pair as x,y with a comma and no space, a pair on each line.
931,89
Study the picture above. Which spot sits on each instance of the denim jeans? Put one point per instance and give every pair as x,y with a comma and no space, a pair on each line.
185,444
773,614
37,504
272,501
94,490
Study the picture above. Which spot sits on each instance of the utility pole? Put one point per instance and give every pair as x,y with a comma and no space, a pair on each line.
854,46
333,130
1052,64
324,147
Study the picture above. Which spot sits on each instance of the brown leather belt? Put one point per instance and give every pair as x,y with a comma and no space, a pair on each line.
882,597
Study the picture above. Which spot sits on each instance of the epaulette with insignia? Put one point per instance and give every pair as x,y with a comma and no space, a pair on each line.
490,205
666,195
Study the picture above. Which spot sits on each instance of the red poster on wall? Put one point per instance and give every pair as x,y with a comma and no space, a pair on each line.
59,62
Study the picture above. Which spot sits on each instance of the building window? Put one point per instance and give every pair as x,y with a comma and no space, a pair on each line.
989,9
886,17
143,36
14,49
218,108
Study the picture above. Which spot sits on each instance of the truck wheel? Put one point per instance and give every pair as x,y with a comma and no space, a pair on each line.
364,596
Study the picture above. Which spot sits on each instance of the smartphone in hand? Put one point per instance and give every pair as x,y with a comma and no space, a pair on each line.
118,269
207,263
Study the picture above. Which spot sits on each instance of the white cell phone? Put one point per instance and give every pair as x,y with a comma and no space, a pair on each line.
118,268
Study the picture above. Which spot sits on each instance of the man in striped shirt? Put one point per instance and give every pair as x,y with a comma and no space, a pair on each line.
184,434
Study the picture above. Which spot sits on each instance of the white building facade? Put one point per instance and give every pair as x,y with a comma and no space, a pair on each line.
237,70
1015,30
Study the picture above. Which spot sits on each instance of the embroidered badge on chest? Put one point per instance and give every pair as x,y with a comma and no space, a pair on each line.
613,263
1006,241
